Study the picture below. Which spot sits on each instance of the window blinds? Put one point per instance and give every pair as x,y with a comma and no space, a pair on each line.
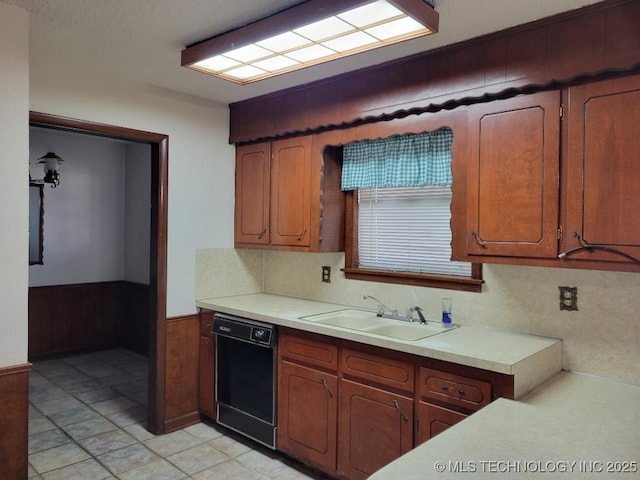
407,229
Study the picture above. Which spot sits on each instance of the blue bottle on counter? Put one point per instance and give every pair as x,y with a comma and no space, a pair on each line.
446,312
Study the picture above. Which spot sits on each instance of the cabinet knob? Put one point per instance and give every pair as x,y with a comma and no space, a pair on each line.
461,392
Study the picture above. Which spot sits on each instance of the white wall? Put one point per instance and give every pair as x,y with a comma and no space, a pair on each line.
137,213
201,162
14,190
84,228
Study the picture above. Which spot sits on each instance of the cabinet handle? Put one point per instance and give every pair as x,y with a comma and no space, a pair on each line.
590,248
304,232
478,240
397,406
326,387
261,234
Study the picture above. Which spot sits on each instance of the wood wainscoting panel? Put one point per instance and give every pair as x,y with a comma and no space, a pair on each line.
74,318
182,375
14,421
84,317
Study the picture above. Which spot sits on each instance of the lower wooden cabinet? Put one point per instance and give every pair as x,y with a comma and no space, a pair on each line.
206,397
446,398
307,415
434,419
349,409
376,427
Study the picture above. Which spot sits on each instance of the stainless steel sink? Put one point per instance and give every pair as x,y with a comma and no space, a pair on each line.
367,321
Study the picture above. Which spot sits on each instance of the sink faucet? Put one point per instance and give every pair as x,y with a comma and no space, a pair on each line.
386,312
418,310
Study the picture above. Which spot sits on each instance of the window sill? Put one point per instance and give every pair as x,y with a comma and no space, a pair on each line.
465,284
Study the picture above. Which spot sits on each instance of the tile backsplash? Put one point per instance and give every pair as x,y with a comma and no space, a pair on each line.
602,337
221,272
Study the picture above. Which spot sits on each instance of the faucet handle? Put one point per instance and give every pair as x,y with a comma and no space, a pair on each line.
423,321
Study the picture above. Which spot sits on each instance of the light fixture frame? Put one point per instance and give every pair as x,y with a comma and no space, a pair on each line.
290,19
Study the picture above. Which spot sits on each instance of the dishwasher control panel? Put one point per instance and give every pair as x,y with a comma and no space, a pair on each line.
244,329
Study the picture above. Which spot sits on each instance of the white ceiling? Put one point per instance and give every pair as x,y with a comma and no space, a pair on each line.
141,40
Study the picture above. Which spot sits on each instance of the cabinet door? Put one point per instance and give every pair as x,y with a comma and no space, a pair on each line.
603,168
206,363
376,427
433,419
253,163
513,176
206,402
291,192
307,415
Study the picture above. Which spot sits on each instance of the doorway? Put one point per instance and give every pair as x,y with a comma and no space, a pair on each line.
158,244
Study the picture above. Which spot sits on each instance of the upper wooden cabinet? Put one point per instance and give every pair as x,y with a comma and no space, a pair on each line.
513,176
253,167
288,200
291,192
531,203
603,170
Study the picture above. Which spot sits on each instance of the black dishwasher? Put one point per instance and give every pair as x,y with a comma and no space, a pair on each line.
245,376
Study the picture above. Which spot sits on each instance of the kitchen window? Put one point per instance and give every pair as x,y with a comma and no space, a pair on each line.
399,214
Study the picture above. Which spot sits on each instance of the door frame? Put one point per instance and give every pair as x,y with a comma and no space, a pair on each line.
158,245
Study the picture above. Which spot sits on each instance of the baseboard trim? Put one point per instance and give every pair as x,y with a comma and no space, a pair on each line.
182,421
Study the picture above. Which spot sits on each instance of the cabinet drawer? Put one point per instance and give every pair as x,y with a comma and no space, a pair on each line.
379,369
308,351
454,389
206,321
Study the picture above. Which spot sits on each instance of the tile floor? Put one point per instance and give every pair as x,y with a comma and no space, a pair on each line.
87,418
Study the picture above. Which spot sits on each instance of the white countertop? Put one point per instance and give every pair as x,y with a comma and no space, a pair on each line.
530,359
574,425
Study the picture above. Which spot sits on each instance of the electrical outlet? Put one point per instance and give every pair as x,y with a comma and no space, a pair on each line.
568,298
326,274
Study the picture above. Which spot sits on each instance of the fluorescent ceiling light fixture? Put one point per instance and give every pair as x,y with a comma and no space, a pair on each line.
327,28
313,32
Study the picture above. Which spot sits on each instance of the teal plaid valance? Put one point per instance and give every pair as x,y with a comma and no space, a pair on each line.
413,160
